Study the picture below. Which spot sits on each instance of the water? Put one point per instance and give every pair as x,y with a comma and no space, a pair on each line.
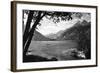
51,49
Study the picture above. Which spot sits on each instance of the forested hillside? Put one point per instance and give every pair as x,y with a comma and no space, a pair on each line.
80,32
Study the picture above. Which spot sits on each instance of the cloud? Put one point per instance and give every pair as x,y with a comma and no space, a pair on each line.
48,26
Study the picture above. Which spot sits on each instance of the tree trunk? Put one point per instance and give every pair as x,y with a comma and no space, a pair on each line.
31,33
27,28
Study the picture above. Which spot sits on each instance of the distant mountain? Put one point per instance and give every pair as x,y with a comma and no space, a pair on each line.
39,37
51,36
54,36
60,33
76,32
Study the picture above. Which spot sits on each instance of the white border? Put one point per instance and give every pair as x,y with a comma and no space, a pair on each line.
21,65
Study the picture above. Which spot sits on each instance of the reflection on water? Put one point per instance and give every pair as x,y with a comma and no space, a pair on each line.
51,49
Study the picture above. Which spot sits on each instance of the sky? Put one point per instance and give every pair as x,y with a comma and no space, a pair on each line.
48,27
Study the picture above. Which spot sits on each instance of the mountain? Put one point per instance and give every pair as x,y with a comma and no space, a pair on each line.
39,37
83,23
81,33
72,33
54,36
60,33
51,36
76,32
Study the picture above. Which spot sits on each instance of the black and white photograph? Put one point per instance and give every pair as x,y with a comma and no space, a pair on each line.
47,36
56,36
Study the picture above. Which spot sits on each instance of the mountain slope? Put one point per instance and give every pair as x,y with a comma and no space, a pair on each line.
76,32
39,37
54,36
81,32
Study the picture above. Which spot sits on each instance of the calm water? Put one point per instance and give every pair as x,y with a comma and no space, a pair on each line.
51,49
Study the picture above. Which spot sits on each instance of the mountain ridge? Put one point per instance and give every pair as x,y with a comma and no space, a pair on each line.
39,37
75,31
54,36
72,33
